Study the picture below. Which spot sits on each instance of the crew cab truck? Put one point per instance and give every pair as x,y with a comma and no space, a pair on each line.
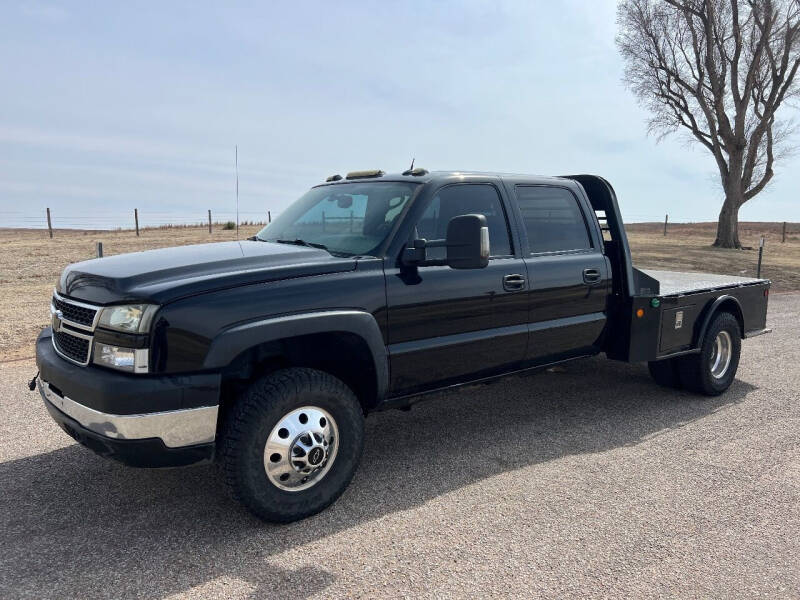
366,293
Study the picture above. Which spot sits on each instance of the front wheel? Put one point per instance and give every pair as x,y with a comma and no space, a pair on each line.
712,370
292,444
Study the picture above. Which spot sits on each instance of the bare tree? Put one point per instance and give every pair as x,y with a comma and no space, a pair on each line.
721,69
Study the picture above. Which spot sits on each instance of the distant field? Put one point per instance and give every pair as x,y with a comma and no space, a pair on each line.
31,262
687,246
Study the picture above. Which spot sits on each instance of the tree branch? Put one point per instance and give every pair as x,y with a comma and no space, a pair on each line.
720,70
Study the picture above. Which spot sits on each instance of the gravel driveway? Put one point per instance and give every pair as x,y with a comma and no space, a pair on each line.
589,481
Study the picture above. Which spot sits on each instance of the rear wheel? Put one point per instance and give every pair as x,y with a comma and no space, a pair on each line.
665,372
713,369
292,444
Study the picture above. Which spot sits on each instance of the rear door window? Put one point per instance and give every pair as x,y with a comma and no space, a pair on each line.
553,219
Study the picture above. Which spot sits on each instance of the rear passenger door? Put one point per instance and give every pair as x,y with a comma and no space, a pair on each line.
568,273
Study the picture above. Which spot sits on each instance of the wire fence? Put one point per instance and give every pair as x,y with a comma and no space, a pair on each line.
135,219
53,219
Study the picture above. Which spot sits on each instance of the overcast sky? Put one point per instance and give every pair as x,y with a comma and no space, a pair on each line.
108,106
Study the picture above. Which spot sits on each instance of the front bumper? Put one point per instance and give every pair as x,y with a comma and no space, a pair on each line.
113,414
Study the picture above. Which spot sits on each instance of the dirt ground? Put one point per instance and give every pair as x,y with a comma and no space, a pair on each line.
31,262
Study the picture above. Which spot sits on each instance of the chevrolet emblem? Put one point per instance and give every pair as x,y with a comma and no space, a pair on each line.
57,317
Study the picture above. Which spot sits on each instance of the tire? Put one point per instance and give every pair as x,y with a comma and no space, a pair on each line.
284,398
665,372
697,371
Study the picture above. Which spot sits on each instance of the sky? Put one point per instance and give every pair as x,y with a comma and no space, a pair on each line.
107,106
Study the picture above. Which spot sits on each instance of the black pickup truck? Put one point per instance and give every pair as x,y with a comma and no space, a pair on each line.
366,293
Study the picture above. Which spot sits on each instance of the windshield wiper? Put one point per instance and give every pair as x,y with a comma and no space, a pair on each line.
299,242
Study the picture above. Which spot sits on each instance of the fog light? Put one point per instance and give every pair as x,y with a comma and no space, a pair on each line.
118,357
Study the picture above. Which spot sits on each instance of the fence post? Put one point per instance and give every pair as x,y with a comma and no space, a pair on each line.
269,217
136,218
666,218
760,254
49,223
209,220
783,235
99,249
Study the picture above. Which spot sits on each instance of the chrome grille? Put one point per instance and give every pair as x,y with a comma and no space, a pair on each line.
72,347
73,326
76,313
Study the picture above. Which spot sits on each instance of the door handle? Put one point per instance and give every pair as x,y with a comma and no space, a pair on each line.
591,276
512,283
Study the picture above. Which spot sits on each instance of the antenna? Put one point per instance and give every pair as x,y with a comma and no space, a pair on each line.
236,168
411,168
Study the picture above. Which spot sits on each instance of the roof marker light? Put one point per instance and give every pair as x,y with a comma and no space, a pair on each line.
365,174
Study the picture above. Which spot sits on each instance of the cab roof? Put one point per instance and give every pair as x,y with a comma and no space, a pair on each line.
442,176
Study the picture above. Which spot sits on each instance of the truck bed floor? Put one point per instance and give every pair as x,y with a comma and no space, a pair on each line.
673,283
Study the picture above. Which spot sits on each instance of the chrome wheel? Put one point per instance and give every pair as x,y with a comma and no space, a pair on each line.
301,448
721,354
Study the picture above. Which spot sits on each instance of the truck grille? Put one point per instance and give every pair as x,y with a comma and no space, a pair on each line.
71,347
82,315
73,326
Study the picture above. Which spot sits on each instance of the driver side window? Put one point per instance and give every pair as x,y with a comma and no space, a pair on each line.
464,199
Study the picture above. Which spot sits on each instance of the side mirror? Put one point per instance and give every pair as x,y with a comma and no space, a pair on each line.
468,242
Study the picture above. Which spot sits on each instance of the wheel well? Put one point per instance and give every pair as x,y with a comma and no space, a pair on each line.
730,305
342,354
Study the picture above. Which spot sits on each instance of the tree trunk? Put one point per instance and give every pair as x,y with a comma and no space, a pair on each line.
728,224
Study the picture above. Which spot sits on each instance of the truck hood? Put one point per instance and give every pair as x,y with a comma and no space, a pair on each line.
160,276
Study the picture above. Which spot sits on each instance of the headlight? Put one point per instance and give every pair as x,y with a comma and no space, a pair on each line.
131,318
118,357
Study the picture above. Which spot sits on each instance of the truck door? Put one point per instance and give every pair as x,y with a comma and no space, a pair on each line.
569,275
447,324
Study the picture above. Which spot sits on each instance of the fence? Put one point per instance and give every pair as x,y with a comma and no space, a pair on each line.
110,222
780,231
135,220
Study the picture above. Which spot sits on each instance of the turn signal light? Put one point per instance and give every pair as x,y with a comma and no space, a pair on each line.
640,313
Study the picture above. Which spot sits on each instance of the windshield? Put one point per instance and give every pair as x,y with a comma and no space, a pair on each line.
347,218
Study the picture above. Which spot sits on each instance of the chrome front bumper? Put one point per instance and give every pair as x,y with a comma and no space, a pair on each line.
176,428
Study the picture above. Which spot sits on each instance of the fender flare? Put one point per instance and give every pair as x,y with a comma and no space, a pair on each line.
239,338
712,310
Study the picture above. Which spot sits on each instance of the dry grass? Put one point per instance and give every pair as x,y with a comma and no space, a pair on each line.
31,262
687,247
